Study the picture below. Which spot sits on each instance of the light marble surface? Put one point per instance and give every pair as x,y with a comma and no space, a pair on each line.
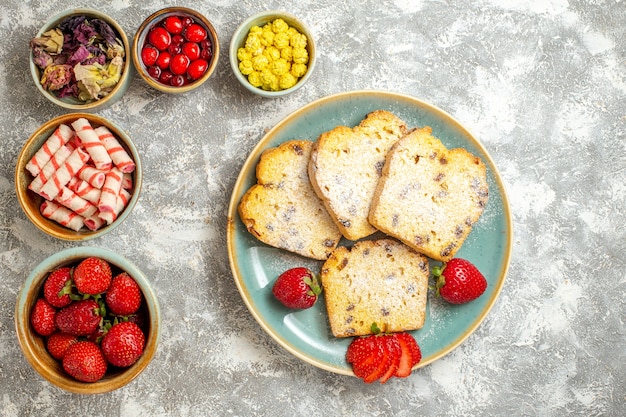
542,83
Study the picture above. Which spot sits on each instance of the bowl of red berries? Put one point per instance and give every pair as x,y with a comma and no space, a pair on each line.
87,320
175,49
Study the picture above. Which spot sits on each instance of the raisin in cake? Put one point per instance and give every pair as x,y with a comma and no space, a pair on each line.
282,210
345,166
376,281
429,197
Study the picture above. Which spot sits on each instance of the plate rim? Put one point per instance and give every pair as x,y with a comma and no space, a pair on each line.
261,144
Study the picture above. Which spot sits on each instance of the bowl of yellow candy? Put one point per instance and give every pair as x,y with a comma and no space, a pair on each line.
272,53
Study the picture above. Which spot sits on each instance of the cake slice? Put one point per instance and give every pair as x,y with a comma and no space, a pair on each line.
345,166
429,197
282,210
376,281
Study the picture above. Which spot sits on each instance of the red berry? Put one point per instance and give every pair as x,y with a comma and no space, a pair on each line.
297,288
58,343
164,59
173,24
206,44
159,38
149,55
206,54
154,72
58,286
42,317
197,68
411,354
179,64
123,344
81,318
178,40
394,352
187,21
195,33
85,361
124,295
166,77
177,81
192,50
459,281
174,49
365,354
92,276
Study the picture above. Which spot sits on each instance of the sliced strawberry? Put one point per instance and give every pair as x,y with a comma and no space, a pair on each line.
385,360
411,354
395,351
365,355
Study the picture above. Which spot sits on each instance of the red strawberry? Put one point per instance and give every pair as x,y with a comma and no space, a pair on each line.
42,317
123,344
297,288
395,352
411,354
81,318
459,281
365,354
85,362
58,343
92,276
58,286
124,295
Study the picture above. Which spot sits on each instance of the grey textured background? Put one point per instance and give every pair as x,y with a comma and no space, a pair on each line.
542,83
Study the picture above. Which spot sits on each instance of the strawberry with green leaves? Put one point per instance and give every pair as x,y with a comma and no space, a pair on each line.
85,361
459,281
58,287
92,276
380,356
81,318
123,344
297,288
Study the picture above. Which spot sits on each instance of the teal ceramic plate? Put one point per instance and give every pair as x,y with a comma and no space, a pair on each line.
306,333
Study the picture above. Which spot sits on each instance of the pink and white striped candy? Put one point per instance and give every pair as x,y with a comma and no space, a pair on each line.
127,181
92,144
60,137
85,190
94,222
72,201
94,176
110,191
118,154
50,168
122,200
62,176
61,215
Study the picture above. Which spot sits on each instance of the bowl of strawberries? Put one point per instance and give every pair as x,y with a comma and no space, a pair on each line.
87,320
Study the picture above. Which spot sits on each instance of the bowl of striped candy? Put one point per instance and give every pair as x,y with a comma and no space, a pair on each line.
78,176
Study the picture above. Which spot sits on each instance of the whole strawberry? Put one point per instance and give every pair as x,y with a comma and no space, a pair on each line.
123,344
92,276
58,286
42,317
459,281
85,361
81,318
297,288
58,343
124,295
